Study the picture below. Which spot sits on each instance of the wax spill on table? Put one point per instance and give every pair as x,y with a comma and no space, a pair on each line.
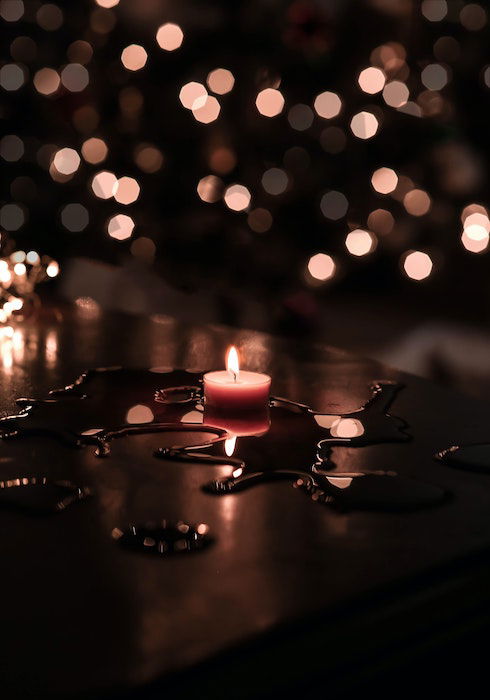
473,458
292,442
164,538
39,495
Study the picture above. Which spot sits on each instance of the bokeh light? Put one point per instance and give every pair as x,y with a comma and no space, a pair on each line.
208,112
384,180
11,148
12,217
270,102
360,242
372,80
222,160
381,221
321,267
74,217
327,105
66,161
300,117
126,190
434,10
237,197
107,3
275,181
334,205
220,81
333,139
417,202
103,184
120,227
94,150
473,17
47,81
11,10
170,36
260,220
193,95
75,77
210,188
364,125
134,57
434,76
417,265
79,52
395,93
49,17
12,77
148,158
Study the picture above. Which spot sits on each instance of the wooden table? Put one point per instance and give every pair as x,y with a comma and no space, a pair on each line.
292,596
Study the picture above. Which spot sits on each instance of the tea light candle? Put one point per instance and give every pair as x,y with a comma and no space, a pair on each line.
234,390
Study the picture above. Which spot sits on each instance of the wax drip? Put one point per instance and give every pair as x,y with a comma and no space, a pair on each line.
473,458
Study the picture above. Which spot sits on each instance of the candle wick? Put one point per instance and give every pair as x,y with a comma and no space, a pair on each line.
234,376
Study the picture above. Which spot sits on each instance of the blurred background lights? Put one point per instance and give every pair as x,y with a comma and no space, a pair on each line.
126,190
259,220
94,150
11,148
20,269
222,160
79,52
107,3
103,184
395,93
220,81
434,10
475,241
473,17
134,57
270,102
66,161
170,36
12,217
32,257
11,10
144,249
74,217
300,117
381,221
12,77
334,205
364,125
23,48
148,158
209,188
75,77
372,80
384,180
52,269
333,139
49,17
274,181
321,267
207,112
237,197
193,95
434,76
327,105
120,227
417,202
360,242
46,81
417,265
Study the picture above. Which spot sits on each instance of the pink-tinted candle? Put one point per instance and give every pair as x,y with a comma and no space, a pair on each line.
235,391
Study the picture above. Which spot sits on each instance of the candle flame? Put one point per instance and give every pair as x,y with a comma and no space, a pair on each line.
230,446
232,363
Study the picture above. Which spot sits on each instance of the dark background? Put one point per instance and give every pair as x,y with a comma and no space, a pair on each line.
201,260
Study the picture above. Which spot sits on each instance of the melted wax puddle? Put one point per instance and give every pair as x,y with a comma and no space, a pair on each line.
295,442
41,496
164,538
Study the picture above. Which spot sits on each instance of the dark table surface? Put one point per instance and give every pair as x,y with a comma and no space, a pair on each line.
290,595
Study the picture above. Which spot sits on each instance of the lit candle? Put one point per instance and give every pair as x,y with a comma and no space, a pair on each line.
235,391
